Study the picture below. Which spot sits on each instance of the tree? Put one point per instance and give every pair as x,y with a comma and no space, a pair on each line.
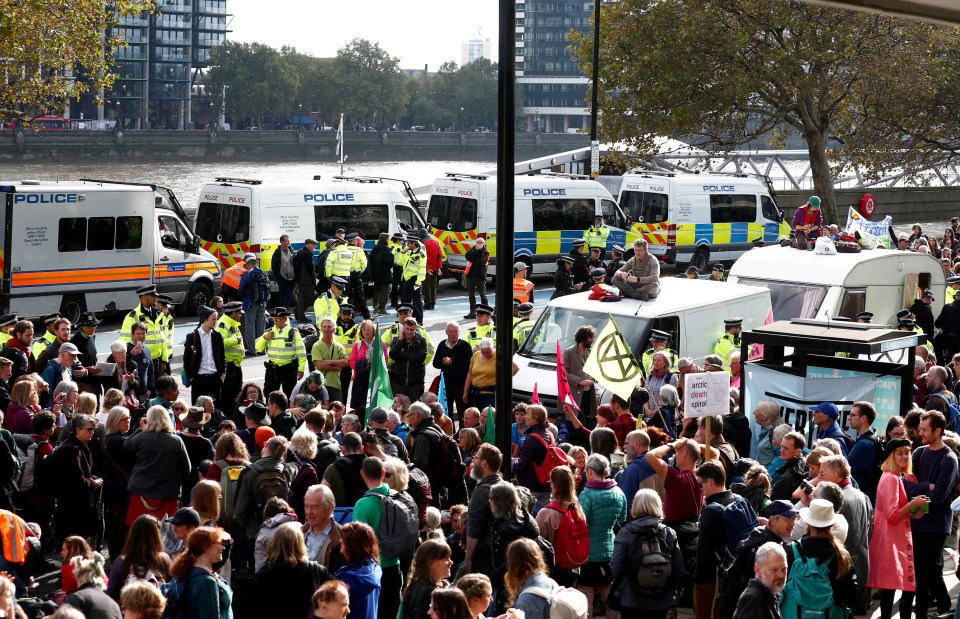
43,45
370,82
259,79
720,73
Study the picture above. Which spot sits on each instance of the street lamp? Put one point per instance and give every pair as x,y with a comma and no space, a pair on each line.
536,120
463,122
213,124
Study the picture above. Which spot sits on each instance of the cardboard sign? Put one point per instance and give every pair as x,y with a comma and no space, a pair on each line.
706,394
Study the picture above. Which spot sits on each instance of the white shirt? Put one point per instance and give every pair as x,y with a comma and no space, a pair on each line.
207,364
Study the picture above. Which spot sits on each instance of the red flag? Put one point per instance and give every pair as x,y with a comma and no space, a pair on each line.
535,398
563,387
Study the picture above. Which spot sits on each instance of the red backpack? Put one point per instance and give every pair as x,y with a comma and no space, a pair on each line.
571,542
555,457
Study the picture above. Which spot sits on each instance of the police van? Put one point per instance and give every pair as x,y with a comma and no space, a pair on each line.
550,212
236,216
88,245
700,218
690,310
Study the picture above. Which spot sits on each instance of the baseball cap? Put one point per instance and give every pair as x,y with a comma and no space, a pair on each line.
827,408
781,508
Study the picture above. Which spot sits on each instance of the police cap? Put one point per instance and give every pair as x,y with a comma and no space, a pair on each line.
484,309
525,308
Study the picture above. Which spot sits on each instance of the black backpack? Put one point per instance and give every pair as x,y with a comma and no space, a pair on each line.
267,484
448,465
650,560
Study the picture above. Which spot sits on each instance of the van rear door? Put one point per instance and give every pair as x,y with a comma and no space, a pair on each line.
223,223
453,214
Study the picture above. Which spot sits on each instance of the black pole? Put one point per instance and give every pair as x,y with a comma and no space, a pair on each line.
594,95
506,138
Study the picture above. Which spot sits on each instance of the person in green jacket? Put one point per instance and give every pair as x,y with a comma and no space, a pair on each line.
368,510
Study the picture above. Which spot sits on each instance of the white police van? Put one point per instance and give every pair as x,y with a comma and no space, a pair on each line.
236,216
699,218
550,212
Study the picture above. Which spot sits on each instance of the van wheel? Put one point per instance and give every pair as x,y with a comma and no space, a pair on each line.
701,259
71,307
200,294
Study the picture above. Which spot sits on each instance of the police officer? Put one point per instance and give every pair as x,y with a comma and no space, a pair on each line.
923,314
393,332
594,260
904,315
523,326
339,260
358,267
658,341
580,271
953,285
947,343
864,317
414,272
147,313
718,274
615,263
232,332
84,338
7,322
49,335
286,355
596,235
563,278
522,287
483,328
399,254
346,333
327,304
729,342
165,305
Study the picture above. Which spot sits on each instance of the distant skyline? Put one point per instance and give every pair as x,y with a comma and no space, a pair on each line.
422,32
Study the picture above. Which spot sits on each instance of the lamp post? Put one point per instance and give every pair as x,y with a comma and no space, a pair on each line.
595,96
536,120
299,116
213,123
463,122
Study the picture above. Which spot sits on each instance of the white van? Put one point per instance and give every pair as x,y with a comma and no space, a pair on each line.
691,310
804,284
236,216
700,218
550,212
88,245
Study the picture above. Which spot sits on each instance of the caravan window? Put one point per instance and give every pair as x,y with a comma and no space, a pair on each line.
369,220
651,208
223,223
452,213
730,208
852,303
563,214
100,233
72,235
791,300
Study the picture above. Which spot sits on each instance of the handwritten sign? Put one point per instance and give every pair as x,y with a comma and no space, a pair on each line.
706,394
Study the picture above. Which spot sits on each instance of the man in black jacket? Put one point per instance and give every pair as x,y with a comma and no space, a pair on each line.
85,341
485,470
781,517
204,361
759,600
409,354
794,470
924,315
477,257
304,278
581,269
380,271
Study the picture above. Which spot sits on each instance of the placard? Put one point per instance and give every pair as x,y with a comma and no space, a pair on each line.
706,394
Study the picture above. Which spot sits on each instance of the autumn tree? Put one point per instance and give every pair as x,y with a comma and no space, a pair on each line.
720,73
259,80
45,45
369,82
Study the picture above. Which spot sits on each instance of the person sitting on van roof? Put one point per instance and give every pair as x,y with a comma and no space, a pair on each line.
808,220
639,278
692,273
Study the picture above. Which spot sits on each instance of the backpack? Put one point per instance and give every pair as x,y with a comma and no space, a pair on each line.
151,576
564,602
555,457
399,528
229,482
808,593
321,267
740,520
175,593
571,542
261,291
739,572
953,411
267,484
650,560
28,477
448,467
46,472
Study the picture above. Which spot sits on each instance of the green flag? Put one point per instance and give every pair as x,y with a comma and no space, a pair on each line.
380,392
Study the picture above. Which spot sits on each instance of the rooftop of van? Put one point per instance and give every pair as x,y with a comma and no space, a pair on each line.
69,185
524,180
676,294
787,264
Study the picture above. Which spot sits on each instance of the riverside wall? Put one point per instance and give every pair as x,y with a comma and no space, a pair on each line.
907,205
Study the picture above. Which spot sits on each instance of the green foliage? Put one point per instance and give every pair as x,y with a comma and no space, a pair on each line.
259,79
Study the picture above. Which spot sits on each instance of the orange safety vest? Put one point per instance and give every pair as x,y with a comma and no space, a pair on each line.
522,289
231,277
13,531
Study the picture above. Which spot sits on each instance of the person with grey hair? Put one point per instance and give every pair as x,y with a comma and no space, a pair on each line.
161,464
426,439
605,509
639,277
778,433
303,449
79,490
90,598
321,531
832,493
453,360
760,599
646,513
767,416
510,522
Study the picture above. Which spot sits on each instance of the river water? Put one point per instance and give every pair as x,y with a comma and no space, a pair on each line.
185,178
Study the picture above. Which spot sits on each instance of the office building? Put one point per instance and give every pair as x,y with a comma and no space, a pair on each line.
478,46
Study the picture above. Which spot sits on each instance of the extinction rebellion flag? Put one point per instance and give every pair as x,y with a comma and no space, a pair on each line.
611,362
380,392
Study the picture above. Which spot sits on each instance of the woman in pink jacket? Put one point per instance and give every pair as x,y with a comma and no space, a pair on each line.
891,545
361,359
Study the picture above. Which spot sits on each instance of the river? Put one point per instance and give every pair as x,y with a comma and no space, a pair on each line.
185,178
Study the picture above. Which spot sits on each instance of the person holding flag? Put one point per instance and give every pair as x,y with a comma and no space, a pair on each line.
613,362
381,393
579,381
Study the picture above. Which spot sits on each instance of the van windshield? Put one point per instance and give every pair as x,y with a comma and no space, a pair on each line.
452,213
790,300
561,323
645,207
368,220
223,223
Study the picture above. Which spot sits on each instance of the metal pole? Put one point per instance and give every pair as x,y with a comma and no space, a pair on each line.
594,96
506,138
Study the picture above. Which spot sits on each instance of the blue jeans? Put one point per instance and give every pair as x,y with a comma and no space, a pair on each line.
286,292
254,324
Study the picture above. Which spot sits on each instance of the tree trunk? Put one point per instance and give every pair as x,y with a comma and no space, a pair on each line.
820,171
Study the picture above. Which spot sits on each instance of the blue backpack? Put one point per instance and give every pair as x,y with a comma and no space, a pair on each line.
952,412
175,592
808,593
740,520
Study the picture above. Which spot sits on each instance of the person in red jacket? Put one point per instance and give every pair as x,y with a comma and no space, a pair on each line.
434,267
